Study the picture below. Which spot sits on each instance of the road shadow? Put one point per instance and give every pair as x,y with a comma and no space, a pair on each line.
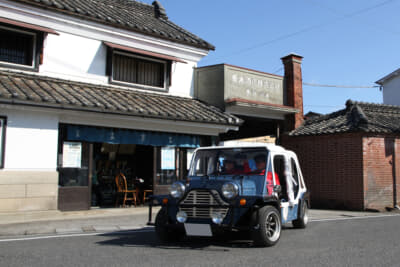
146,237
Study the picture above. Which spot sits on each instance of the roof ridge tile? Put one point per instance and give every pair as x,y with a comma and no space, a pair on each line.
356,117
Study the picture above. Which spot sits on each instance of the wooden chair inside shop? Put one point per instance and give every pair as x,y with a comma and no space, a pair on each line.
122,190
146,191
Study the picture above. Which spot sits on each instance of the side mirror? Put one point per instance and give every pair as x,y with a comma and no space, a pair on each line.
277,189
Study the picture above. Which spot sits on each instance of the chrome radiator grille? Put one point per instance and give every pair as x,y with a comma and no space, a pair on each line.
203,197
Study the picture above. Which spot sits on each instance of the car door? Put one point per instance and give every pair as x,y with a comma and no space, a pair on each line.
290,200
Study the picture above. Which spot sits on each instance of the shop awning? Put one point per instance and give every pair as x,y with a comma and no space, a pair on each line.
126,136
239,106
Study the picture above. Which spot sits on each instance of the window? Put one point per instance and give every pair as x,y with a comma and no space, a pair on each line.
171,164
229,162
141,71
3,123
18,47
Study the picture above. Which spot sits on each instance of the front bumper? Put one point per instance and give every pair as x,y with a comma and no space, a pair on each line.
235,211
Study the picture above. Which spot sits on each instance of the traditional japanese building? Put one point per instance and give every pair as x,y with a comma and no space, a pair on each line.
92,88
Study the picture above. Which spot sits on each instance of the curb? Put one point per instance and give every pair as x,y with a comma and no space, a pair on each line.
74,230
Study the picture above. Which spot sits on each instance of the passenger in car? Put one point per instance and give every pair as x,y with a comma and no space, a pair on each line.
270,182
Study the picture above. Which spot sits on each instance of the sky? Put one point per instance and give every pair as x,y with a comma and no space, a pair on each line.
344,42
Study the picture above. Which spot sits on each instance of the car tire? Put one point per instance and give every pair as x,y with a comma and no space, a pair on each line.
302,221
267,226
164,233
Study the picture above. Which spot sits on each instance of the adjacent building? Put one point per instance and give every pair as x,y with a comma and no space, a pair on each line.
268,104
351,158
390,85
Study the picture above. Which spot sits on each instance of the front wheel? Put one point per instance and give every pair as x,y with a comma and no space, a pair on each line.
302,221
267,226
164,233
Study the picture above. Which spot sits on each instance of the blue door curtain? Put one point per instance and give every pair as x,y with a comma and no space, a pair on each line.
125,136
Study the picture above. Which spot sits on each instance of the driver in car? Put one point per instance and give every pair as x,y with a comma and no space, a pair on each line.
229,166
261,164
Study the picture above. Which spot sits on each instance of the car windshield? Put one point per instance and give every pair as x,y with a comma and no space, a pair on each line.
229,162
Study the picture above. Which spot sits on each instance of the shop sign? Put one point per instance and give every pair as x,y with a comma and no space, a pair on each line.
254,86
72,154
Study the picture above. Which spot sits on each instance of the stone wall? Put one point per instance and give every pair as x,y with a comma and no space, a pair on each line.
28,190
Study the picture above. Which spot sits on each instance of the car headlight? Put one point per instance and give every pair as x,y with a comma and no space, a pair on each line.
230,190
181,216
177,190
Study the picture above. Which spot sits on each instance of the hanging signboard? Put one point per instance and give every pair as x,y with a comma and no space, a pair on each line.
168,158
72,154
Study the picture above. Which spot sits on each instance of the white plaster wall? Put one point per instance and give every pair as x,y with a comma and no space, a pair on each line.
182,79
73,55
31,141
391,92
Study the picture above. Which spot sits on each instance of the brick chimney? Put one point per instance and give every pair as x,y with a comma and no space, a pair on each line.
294,90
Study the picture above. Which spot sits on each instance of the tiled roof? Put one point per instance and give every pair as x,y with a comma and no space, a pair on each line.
29,89
127,14
356,117
311,115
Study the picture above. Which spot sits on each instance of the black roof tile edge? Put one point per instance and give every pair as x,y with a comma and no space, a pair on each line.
135,28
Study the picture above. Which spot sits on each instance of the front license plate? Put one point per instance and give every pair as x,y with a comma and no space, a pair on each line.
195,229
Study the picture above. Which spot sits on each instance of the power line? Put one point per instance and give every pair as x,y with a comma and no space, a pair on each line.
339,86
337,12
323,106
306,29
277,70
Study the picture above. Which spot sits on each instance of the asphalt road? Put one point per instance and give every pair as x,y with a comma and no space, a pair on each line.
350,242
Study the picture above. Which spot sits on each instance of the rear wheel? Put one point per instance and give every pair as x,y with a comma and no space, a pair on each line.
164,233
302,221
267,227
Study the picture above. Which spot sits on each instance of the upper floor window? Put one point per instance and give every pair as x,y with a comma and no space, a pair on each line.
21,44
139,70
18,47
